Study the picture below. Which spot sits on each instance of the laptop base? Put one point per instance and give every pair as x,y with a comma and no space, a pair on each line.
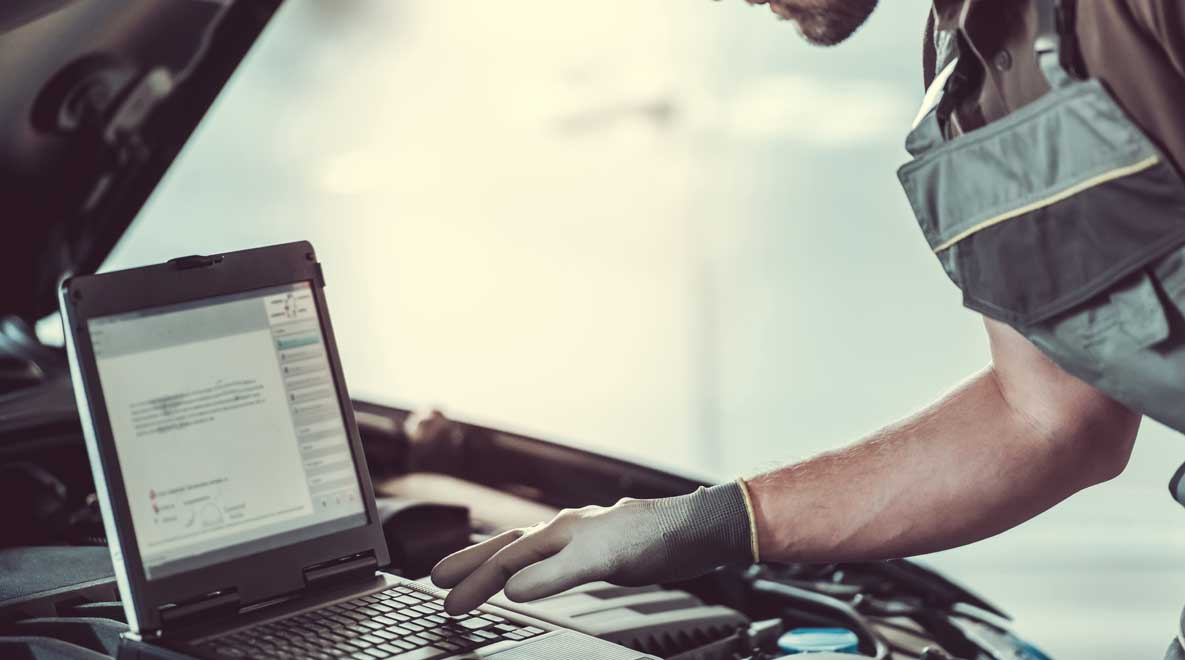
379,611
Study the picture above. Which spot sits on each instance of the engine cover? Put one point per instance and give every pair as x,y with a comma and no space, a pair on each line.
663,622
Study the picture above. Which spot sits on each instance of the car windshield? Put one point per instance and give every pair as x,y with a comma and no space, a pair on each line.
667,231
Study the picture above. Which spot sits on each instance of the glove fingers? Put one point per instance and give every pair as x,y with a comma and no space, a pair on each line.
489,578
551,576
453,568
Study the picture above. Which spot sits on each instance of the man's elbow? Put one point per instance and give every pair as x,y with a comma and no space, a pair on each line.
1096,438
1112,450
1089,434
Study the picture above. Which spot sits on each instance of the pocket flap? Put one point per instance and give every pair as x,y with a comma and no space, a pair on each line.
1131,319
1048,208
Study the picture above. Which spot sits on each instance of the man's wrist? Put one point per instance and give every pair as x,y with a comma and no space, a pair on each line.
711,526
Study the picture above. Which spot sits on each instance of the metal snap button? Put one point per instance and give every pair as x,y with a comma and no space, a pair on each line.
1003,60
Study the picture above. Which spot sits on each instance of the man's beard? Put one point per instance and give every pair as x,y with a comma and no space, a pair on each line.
825,22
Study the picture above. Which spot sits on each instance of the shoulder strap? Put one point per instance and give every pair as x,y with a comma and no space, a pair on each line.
929,52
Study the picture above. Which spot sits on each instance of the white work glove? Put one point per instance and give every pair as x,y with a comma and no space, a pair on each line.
631,543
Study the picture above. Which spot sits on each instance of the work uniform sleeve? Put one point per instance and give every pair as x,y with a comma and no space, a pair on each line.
1165,20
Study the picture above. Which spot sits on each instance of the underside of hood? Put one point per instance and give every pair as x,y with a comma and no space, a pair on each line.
96,99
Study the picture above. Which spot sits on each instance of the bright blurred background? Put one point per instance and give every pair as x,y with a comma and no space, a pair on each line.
670,232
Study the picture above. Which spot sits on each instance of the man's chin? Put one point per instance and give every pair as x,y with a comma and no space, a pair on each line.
832,25
824,37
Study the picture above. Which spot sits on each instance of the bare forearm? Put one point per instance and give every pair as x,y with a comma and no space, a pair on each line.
970,466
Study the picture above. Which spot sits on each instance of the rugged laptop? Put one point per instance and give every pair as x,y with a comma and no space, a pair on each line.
239,508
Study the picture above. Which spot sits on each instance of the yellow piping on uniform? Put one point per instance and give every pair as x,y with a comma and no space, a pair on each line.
1099,180
752,520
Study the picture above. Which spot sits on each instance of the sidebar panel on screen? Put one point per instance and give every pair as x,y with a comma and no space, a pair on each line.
312,399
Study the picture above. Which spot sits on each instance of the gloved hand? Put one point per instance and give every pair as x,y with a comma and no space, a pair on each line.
631,543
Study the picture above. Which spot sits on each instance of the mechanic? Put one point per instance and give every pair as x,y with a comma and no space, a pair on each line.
1046,179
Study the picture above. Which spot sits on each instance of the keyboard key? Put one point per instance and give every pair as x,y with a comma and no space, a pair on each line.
477,623
358,629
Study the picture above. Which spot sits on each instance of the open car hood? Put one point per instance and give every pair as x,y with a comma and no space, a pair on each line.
96,99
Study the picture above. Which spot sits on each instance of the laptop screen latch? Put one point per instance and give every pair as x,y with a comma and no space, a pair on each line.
360,565
195,261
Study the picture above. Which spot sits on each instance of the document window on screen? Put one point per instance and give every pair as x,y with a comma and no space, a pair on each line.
227,426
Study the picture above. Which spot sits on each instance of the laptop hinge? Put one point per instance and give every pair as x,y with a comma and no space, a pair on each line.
207,605
357,565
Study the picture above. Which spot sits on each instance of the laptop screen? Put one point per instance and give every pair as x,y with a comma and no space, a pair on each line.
227,426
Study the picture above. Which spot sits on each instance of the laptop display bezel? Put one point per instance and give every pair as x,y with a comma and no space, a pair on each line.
257,577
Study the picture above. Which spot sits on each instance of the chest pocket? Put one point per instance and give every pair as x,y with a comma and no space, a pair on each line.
1048,207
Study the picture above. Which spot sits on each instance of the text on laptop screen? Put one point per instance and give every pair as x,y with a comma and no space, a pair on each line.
227,425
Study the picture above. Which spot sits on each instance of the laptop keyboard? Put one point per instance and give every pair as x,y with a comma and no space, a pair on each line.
399,623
